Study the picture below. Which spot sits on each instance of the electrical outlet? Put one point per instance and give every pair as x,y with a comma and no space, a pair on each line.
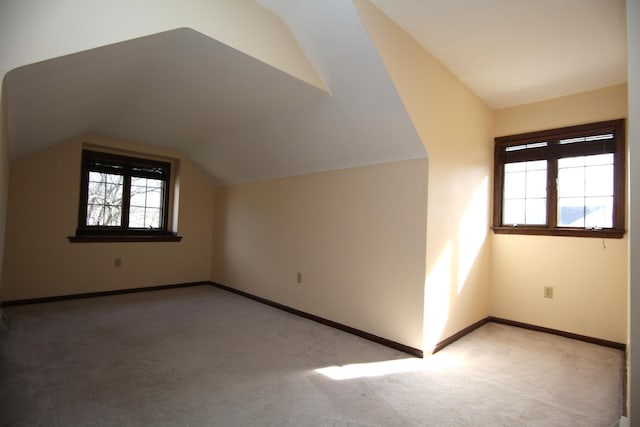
548,291
299,278
117,262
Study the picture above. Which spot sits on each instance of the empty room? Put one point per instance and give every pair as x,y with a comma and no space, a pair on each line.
337,212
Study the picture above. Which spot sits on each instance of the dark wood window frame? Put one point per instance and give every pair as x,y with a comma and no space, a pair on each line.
128,167
552,152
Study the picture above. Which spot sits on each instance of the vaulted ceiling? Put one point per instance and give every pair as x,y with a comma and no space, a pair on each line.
288,86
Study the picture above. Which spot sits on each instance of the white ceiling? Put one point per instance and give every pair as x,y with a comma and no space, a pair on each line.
512,52
237,117
244,120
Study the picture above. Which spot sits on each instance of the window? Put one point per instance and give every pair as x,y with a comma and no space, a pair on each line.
567,181
123,198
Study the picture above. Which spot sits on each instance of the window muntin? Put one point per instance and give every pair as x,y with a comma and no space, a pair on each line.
123,195
579,192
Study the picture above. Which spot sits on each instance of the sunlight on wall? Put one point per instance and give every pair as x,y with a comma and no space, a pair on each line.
437,362
449,275
436,298
472,231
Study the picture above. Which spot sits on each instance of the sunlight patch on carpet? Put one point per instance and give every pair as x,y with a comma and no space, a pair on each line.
390,367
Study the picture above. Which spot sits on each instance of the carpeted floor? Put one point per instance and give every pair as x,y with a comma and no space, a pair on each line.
204,357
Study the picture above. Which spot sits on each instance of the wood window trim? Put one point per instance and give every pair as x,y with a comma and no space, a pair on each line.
617,127
114,234
171,237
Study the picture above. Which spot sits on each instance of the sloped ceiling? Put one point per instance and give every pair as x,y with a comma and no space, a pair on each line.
242,119
236,116
516,52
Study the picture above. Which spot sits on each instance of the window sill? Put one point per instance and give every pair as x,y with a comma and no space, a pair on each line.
111,238
607,233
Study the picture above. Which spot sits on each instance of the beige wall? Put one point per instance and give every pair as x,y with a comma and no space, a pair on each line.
589,275
603,104
43,210
457,130
356,235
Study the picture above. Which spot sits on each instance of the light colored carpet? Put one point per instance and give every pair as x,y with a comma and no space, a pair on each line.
204,357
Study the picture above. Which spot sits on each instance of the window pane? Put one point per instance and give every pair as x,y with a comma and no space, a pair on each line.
154,199
104,215
513,211
97,177
96,193
146,203
600,159
115,179
154,184
104,199
95,213
569,162
113,194
144,218
146,192
135,180
590,212
571,212
599,212
515,185
585,191
525,193
154,193
599,180
571,182
112,216
138,196
536,211
536,165
515,167
136,217
537,184
152,218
